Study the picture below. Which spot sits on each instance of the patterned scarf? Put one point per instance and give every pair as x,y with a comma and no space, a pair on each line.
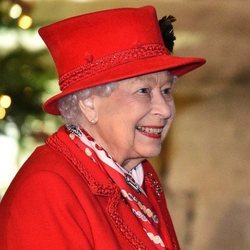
129,182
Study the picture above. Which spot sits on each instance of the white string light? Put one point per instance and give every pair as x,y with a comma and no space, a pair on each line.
15,11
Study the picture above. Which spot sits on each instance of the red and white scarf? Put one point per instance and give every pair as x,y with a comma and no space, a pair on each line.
130,183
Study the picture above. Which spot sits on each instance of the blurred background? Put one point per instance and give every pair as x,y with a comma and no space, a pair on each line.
204,164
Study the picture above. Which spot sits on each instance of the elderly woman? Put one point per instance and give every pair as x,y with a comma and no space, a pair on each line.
90,186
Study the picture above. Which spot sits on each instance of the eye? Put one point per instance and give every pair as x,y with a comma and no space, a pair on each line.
144,91
167,91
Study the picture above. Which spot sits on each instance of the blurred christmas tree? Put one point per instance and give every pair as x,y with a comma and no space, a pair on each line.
25,73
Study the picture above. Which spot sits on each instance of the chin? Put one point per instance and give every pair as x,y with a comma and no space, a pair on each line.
152,153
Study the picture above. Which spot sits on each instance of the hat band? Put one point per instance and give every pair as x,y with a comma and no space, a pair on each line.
96,66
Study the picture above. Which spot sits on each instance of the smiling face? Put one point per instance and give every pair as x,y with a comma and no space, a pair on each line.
134,120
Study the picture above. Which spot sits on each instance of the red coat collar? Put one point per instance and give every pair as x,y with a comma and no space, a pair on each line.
95,177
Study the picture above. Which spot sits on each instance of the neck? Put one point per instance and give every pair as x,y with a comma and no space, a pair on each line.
131,163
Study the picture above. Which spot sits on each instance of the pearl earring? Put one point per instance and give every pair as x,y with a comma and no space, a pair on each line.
93,121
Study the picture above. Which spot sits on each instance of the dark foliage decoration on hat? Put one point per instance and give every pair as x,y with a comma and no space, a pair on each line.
167,31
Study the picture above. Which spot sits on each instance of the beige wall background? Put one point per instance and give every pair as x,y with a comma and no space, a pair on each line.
204,164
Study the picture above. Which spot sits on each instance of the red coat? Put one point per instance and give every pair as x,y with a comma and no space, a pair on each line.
60,200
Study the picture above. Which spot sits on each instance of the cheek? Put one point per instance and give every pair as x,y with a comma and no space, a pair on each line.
169,120
172,109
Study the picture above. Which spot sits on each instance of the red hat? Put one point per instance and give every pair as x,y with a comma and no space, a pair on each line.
105,46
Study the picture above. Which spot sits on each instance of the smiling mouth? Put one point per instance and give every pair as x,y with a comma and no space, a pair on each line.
150,131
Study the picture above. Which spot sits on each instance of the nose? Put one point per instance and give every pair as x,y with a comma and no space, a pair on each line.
162,106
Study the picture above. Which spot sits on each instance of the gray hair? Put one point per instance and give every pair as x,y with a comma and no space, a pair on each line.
69,105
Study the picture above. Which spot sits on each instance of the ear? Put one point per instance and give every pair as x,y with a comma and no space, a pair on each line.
88,109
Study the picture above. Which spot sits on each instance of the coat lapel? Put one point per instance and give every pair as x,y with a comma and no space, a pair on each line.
156,197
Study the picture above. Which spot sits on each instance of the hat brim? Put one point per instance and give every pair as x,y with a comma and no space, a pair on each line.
177,66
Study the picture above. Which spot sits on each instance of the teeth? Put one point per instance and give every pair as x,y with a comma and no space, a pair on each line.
150,130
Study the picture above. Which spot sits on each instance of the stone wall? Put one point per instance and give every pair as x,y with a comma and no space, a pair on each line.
208,179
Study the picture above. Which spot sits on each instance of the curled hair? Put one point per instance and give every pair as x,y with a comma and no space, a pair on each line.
69,105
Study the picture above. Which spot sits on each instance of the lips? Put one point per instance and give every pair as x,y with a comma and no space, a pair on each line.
150,131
